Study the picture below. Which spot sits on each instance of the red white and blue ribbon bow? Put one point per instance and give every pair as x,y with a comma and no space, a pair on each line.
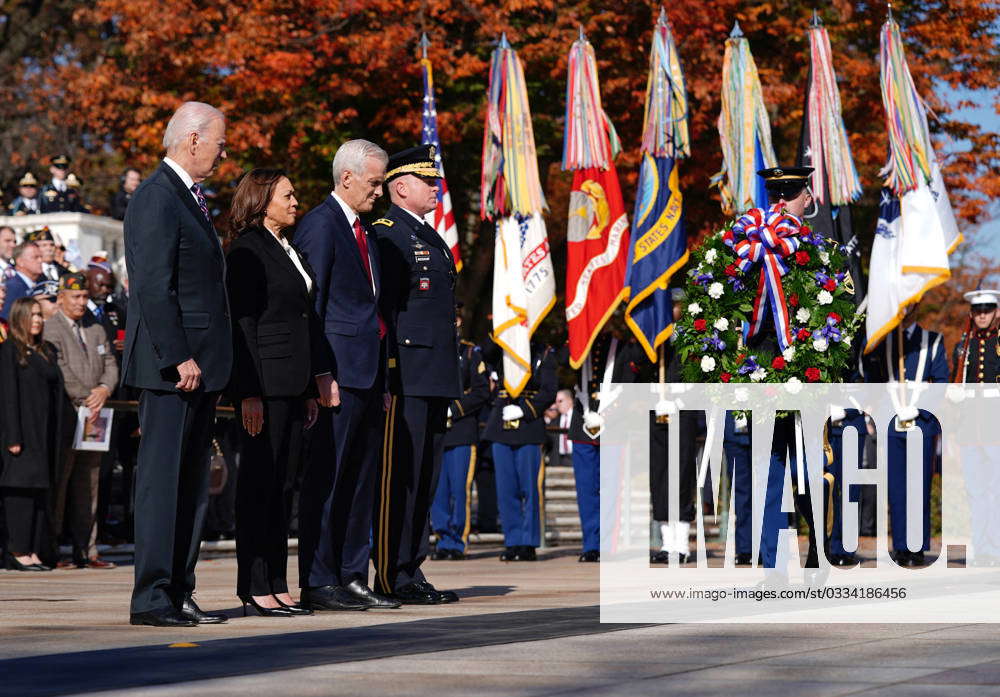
767,237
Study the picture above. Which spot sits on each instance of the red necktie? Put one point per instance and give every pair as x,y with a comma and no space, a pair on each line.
362,240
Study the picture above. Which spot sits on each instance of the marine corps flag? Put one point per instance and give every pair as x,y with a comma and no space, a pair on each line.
916,230
523,279
659,243
597,235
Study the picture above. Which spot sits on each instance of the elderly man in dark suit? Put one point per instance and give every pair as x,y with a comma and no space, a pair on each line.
178,351
335,509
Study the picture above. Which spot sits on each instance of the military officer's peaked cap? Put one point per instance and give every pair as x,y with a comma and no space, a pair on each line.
982,296
28,180
786,182
60,160
419,161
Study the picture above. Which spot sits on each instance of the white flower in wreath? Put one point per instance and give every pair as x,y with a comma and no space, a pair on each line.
794,385
758,375
847,338
711,255
694,309
824,297
741,394
820,344
715,291
707,364
803,315
789,354
824,257
722,324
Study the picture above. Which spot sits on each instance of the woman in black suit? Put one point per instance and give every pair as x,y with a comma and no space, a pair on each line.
32,392
271,296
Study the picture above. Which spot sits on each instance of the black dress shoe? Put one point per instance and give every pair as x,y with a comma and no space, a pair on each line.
330,598
280,611
661,557
526,553
509,554
362,593
743,559
455,555
441,555
296,609
415,594
167,617
446,596
843,560
590,555
189,609
917,558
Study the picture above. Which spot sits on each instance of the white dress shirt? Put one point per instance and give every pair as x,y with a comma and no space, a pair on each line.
294,256
182,173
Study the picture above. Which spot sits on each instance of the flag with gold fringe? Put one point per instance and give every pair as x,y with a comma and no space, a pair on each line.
658,247
744,130
511,195
597,236
916,230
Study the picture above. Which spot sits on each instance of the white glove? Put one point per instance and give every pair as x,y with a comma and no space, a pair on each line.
837,414
593,421
907,413
512,412
956,393
665,407
449,412
740,424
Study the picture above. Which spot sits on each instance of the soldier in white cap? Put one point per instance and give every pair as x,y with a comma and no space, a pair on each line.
977,355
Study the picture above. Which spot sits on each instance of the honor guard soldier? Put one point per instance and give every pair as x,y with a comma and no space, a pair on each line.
418,305
516,428
977,355
922,356
450,512
611,359
27,201
58,196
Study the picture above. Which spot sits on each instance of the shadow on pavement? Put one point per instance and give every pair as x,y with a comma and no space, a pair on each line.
124,668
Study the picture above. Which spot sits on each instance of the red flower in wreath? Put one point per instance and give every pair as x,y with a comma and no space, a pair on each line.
740,357
834,316
813,374
793,299
778,363
801,257
726,377
699,325
830,285
731,270
803,334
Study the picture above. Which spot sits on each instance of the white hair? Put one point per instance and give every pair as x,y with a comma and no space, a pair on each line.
190,117
351,157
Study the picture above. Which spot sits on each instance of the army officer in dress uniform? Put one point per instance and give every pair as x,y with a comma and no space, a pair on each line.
27,201
450,511
59,196
516,428
418,305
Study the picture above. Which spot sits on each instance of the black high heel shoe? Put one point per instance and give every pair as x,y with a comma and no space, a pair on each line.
11,563
264,611
296,609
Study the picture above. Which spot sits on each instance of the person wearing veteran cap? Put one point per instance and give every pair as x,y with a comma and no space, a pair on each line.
51,269
418,304
59,195
27,201
977,356
46,292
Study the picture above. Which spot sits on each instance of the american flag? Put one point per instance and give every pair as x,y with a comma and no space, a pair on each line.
441,218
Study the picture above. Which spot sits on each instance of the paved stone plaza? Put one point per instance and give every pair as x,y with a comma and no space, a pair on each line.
520,629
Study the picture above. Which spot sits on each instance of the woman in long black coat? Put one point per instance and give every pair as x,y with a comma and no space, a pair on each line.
274,325
29,411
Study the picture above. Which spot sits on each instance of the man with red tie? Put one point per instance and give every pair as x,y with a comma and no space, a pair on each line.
338,488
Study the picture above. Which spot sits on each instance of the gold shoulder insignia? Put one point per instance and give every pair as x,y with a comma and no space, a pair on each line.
465,342
384,221
482,367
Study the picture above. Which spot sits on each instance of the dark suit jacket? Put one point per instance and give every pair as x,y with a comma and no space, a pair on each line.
418,304
16,288
345,304
177,297
275,324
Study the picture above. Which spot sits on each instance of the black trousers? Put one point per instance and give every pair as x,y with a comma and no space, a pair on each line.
408,478
338,487
261,507
658,466
27,520
487,510
171,494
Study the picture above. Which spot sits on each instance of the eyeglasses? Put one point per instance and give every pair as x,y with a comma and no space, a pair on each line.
983,309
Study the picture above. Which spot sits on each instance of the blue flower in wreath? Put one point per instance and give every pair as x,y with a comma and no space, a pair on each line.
749,365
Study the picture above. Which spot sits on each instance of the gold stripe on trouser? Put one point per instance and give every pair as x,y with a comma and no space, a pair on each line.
541,490
388,443
468,495
828,476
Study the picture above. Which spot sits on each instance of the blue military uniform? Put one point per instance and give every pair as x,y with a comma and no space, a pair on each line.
853,418
450,515
517,452
924,360
418,305
736,447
